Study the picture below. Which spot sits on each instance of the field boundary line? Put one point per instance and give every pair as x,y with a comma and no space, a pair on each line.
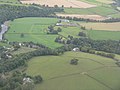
99,81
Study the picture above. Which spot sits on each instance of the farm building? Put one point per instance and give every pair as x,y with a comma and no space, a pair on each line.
76,49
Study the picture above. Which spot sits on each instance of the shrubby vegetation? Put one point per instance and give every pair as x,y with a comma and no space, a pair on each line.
18,81
74,61
51,30
82,34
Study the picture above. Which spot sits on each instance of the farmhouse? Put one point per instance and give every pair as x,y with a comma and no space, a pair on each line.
59,24
27,80
76,49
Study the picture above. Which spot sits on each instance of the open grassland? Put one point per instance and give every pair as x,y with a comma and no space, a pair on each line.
100,10
104,35
34,29
92,72
66,3
73,31
102,26
9,1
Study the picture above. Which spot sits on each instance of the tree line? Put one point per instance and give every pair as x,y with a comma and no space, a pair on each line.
11,12
110,46
90,20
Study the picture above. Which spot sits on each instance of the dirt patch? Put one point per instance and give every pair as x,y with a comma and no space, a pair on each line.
66,3
93,17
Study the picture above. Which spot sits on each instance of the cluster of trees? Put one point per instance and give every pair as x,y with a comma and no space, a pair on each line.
27,44
51,30
91,46
92,51
118,63
18,81
60,39
11,12
110,46
82,34
83,27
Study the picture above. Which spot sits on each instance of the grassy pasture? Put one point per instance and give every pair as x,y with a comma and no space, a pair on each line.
100,10
9,1
104,35
59,74
34,29
73,31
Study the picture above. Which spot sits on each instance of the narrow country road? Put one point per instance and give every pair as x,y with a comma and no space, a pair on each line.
4,28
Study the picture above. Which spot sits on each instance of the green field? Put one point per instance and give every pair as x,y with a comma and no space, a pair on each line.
9,1
104,35
99,10
73,31
34,29
92,72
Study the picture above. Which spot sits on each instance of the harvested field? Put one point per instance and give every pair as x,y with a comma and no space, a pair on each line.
102,26
66,3
93,17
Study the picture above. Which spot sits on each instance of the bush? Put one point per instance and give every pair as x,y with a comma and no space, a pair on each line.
74,61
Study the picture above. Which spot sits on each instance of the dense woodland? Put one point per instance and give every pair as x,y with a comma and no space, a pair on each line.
11,12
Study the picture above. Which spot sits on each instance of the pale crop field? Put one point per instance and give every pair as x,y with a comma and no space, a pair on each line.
66,3
102,26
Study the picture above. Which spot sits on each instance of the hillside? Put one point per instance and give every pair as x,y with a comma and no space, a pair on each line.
92,72
59,44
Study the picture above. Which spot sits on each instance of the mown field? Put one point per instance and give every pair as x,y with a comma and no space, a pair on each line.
103,35
100,10
92,72
34,29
